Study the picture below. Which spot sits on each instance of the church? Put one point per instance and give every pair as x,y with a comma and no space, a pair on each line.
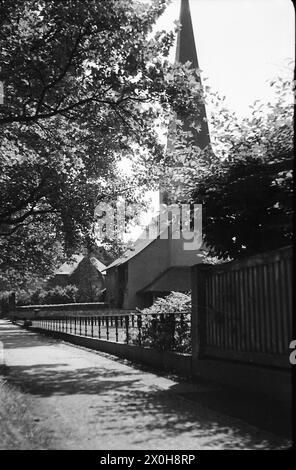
158,266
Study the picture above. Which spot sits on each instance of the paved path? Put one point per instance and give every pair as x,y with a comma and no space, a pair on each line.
86,400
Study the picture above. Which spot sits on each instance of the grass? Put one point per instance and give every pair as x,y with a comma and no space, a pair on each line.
18,429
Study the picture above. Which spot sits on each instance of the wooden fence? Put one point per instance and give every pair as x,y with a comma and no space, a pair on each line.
242,310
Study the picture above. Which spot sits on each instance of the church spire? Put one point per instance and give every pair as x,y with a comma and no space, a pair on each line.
186,52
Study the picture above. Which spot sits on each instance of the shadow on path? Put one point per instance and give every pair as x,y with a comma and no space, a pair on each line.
115,400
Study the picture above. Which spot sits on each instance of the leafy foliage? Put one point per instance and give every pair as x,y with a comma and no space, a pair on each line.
41,296
28,256
247,207
56,295
84,84
166,324
245,187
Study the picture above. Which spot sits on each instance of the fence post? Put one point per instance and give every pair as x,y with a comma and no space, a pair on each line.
139,325
198,311
127,328
107,328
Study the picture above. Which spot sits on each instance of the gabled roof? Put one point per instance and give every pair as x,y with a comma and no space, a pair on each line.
139,246
68,268
97,263
141,243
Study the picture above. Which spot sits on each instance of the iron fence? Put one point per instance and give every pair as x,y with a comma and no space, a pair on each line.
165,331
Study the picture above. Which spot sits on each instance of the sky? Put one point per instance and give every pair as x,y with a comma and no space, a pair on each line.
241,45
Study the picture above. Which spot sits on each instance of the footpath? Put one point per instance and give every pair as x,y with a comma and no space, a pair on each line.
88,400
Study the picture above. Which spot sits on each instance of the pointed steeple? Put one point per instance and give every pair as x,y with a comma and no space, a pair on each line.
186,52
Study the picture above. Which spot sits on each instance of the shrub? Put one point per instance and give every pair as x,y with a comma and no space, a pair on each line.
166,324
23,297
60,295
56,295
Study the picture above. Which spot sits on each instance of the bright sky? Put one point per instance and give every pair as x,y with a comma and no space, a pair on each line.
241,45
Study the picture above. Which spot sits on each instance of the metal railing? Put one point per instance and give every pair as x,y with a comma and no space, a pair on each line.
166,331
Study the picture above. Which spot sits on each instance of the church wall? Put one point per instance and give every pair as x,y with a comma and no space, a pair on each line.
89,281
111,287
143,269
116,281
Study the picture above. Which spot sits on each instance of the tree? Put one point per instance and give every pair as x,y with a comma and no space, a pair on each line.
247,194
29,256
84,84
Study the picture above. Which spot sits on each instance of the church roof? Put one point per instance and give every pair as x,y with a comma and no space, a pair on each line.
139,246
97,263
141,243
69,267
